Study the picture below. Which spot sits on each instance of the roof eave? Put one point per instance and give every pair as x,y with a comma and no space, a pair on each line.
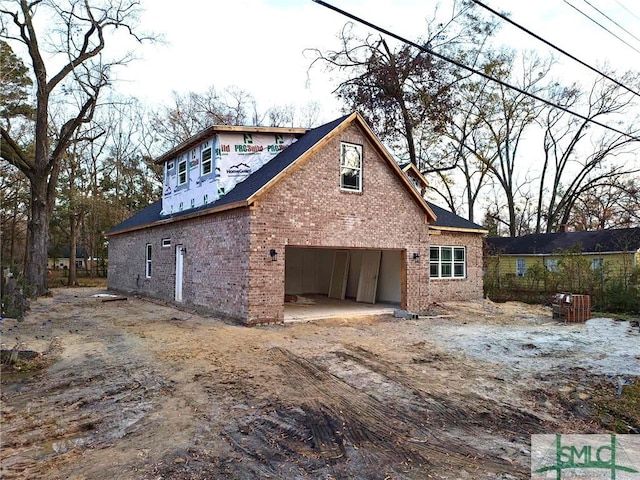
431,216
557,254
210,131
180,218
459,229
411,166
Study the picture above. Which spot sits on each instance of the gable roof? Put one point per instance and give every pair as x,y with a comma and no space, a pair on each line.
258,183
450,221
410,167
597,241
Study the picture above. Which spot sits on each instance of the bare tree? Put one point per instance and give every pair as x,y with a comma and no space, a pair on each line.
76,31
405,93
467,146
128,178
506,115
570,168
192,112
615,204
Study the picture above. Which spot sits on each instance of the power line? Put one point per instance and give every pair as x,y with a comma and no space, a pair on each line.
538,37
601,26
471,69
627,10
611,19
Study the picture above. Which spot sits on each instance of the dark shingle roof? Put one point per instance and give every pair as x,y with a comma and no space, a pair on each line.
617,240
145,216
243,190
451,220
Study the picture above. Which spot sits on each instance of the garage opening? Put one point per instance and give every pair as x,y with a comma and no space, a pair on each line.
330,282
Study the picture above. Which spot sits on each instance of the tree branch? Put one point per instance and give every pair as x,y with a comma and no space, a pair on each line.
12,153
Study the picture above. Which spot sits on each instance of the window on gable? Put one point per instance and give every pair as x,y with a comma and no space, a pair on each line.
147,269
182,172
351,167
206,165
521,267
447,262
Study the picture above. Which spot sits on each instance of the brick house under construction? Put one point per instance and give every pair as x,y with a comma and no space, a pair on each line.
249,214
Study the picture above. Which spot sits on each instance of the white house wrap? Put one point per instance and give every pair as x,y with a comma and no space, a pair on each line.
214,167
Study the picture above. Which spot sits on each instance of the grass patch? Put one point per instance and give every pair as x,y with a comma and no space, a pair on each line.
59,278
619,415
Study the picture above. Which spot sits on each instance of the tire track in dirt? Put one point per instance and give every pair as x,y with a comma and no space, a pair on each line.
354,421
451,412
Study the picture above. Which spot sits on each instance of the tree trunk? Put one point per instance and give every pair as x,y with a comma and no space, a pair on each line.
73,242
38,236
12,245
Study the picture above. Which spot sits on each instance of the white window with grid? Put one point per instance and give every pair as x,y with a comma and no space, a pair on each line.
447,262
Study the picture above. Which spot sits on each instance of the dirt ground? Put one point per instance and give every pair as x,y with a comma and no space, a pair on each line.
133,389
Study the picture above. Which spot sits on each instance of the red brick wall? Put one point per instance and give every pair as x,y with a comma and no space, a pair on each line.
307,208
229,272
469,288
215,264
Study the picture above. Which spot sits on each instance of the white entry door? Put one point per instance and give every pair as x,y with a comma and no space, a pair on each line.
179,271
368,282
339,274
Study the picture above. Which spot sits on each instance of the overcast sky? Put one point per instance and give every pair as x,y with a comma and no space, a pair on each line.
258,45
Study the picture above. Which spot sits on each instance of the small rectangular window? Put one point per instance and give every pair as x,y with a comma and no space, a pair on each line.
166,242
182,172
521,267
148,261
351,167
552,264
597,265
205,168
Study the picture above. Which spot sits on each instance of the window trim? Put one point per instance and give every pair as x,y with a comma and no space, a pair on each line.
438,262
184,163
166,242
147,262
358,170
208,161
